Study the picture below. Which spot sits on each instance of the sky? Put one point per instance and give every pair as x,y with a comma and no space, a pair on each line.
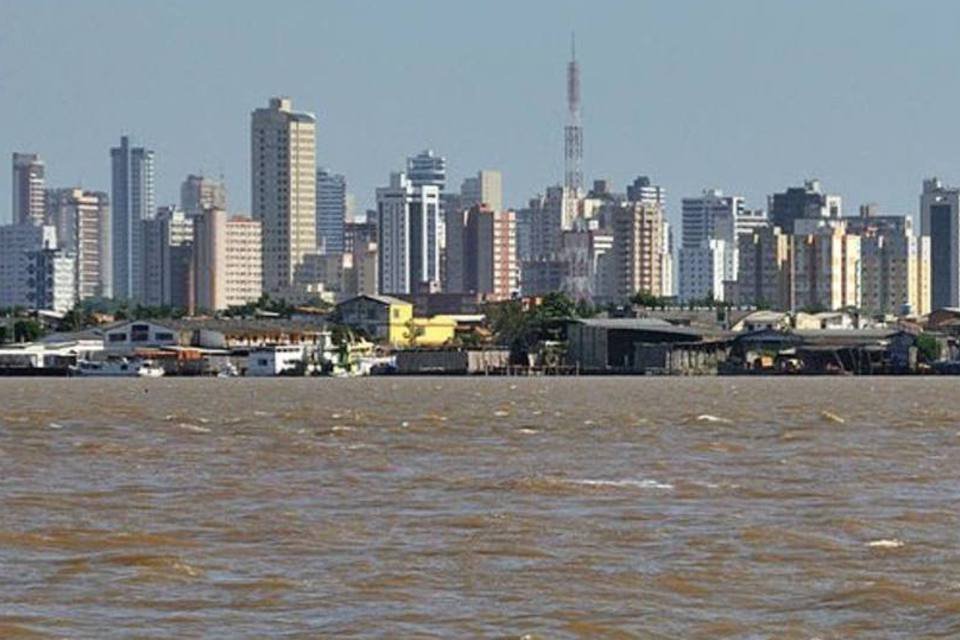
749,96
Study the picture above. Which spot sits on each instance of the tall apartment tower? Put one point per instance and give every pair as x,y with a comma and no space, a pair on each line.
708,249
168,240
409,236
573,130
133,201
27,187
763,273
198,193
284,189
940,221
487,262
227,260
82,221
894,264
637,251
331,211
20,244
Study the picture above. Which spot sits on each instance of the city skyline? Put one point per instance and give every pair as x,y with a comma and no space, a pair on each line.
873,144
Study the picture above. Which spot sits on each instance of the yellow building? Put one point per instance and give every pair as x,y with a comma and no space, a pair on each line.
391,320
423,332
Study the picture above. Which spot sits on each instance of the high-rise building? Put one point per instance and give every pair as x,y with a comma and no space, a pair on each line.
19,247
940,221
52,273
818,268
284,189
895,263
585,254
198,193
489,253
703,270
708,246
763,273
168,248
358,234
27,187
331,211
409,231
484,188
637,253
806,202
667,266
454,253
82,221
749,220
712,216
133,201
643,191
427,169
825,269
228,267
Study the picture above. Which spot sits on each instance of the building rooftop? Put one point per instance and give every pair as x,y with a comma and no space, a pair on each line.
382,299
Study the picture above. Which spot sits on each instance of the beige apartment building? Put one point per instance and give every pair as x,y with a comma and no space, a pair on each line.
283,182
228,267
825,269
895,272
763,268
637,253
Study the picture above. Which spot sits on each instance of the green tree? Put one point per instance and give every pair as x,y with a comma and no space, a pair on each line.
413,332
27,331
928,347
647,300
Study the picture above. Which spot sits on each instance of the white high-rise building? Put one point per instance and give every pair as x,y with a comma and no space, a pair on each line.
409,236
284,189
27,187
82,220
53,274
703,270
331,211
133,202
711,224
19,246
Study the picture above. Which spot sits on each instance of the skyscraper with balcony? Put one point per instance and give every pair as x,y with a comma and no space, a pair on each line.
27,187
133,201
283,189
427,169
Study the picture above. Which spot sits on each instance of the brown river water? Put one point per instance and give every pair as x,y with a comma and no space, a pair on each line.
480,508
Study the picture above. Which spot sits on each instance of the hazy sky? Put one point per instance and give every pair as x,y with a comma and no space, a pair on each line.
747,96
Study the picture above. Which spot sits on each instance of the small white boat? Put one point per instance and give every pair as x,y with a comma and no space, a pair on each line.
117,368
228,371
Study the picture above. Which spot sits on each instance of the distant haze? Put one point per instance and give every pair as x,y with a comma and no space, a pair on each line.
747,96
